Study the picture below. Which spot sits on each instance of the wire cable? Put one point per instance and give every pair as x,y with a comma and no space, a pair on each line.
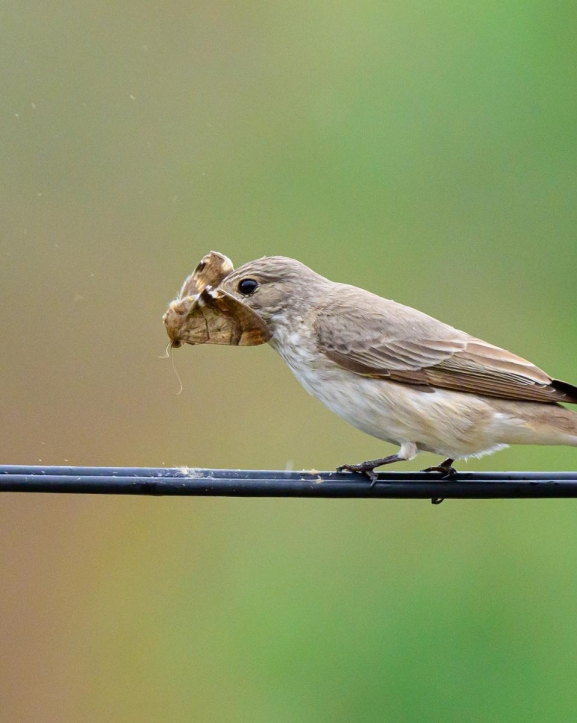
270,483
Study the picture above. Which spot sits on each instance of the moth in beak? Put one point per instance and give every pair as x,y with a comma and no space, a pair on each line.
204,313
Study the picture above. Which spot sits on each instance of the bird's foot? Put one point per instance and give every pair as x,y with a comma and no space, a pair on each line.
447,472
362,468
368,468
446,468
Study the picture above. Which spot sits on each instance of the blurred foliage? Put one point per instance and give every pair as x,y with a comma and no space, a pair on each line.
426,151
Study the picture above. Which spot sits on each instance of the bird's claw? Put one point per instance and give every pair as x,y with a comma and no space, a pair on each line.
360,469
447,472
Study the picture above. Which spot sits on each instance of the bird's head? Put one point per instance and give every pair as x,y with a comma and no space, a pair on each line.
274,286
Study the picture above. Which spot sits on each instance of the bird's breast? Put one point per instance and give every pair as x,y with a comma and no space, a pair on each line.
451,423
374,406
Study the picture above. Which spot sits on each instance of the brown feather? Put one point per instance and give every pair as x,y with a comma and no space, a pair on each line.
376,337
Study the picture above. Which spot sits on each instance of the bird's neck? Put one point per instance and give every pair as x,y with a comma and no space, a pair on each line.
294,338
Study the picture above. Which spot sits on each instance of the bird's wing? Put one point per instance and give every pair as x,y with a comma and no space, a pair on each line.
375,337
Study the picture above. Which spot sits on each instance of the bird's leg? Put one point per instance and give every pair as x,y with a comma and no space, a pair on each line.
367,468
446,467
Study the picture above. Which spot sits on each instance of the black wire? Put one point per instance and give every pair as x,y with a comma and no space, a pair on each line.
267,483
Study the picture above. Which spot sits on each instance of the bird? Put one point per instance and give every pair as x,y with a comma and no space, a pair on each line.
390,370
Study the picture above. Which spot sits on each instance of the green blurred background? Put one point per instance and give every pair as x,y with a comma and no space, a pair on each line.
426,151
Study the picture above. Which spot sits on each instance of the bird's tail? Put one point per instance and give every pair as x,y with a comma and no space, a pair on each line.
554,424
537,423
567,389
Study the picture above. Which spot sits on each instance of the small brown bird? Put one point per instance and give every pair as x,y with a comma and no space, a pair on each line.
390,370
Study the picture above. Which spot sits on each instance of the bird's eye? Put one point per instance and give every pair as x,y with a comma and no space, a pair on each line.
247,286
